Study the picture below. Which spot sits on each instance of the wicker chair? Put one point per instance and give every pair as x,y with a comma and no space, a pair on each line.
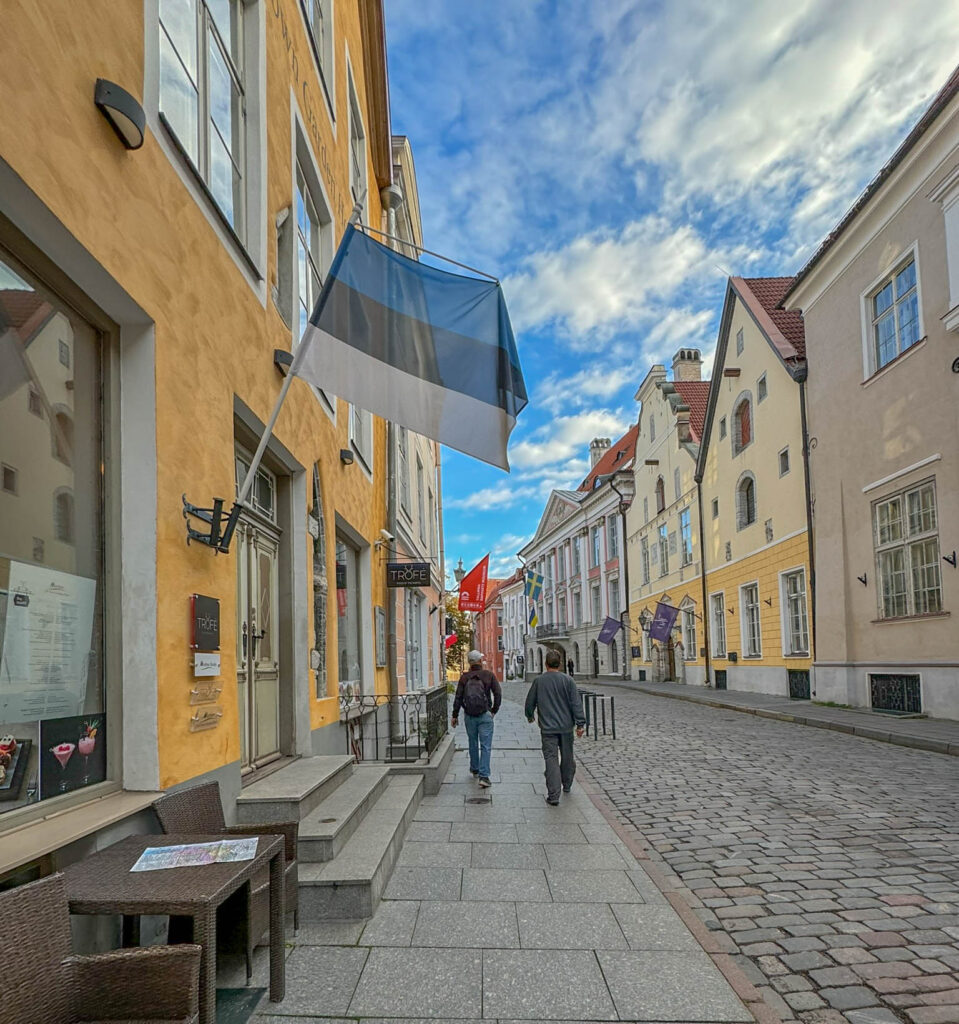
199,810
44,984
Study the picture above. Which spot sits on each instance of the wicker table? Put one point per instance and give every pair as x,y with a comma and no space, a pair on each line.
104,884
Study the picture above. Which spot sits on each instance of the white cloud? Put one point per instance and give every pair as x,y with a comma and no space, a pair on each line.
498,496
567,436
598,381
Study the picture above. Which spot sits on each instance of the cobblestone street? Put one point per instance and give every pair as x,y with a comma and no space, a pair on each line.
828,864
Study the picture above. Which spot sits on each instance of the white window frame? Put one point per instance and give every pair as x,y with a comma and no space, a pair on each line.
741,509
596,603
717,602
612,538
420,499
324,50
789,648
644,558
714,508
752,644
361,435
870,362
686,536
722,427
403,468
784,452
677,484
663,542
613,609
762,389
740,342
688,626
908,541
595,547
356,142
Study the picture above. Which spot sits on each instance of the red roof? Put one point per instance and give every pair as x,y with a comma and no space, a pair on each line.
616,457
769,291
493,588
695,394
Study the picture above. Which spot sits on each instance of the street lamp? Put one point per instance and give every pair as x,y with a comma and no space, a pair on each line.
459,572
625,500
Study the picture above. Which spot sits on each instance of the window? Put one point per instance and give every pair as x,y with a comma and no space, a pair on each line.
761,388
652,428
596,544
58,668
414,642
663,550
907,552
749,611
689,633
784,462
718,605
645,510
577,557
262,496
499,643
203,95
722,428
403,451
577,608
420,510
742,426
34,403
739,342
677,484
612,538
686,536
319,19
63,515
660,495
357,146
715,508
894,315
431,502
594,599
561,614
612,599
348,622
64,353
746,502
499,617
361,437
644,558
796,633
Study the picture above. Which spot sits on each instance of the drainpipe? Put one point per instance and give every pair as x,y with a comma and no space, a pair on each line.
702,574
801,376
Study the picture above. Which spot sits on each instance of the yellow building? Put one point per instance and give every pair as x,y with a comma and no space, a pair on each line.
754,492
179,277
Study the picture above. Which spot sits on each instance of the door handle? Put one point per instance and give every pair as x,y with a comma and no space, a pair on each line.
254,637
245,633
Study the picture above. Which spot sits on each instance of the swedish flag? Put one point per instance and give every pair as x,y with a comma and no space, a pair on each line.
534,585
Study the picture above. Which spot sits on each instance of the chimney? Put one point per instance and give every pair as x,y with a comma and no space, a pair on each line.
597,449
688,364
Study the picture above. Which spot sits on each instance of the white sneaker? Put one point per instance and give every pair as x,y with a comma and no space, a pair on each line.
484,782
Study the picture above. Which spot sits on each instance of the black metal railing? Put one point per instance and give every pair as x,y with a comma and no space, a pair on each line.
399,729
551,629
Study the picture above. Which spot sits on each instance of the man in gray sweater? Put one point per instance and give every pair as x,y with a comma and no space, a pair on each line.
555,697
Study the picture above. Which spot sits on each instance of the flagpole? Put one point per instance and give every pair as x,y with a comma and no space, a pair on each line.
247,486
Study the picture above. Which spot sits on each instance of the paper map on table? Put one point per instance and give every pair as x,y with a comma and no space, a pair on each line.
156,858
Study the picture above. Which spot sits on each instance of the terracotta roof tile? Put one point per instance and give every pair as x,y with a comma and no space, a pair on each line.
695,394
769,291
18,306
616,457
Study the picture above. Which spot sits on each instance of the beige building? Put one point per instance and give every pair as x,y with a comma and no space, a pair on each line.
662,524
880,301
756,541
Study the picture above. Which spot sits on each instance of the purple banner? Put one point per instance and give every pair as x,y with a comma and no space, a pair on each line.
606,634
663,622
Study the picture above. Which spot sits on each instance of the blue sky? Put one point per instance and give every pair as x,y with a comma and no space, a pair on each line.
612,162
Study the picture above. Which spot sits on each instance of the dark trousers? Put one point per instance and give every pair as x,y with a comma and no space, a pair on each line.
560,763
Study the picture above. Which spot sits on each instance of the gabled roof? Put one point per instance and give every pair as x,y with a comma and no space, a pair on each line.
941,101
493,588
617,456
695,393
769,292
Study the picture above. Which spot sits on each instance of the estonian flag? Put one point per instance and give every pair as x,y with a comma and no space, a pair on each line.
430,350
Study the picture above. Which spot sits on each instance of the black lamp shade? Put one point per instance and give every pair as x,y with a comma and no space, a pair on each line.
124,113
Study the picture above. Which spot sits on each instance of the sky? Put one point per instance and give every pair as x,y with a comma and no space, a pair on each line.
612,162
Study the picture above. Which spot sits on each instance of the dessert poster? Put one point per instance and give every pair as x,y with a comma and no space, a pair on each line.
73,753
47,636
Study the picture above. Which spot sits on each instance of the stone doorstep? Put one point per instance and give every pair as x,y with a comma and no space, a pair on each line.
326,829
294,791
350,885
433,771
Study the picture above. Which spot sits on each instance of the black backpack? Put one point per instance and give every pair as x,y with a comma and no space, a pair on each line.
475,700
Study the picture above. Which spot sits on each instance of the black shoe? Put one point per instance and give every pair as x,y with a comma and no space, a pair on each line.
474,771
552,803
566,789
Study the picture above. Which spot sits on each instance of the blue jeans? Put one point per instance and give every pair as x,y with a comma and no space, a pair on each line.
479,731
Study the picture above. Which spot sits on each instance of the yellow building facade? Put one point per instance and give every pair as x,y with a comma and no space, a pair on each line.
183,272
754,491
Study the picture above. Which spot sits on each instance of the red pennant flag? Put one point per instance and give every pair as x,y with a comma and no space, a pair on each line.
473,588
450,640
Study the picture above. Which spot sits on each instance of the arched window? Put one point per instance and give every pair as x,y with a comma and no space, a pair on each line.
614,656
660,495
63,515
742,425
320,587
63,437
745,501
576,657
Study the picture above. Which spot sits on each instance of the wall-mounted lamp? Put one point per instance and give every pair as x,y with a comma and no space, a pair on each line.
863,579
346,457
124,113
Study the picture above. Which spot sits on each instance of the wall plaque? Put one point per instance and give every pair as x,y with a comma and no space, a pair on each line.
206,622
206,664
407,574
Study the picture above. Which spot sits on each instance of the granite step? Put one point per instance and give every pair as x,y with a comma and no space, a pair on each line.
325,830
291,793
350,885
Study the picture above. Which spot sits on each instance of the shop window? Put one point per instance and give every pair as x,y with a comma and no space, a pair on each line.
53,609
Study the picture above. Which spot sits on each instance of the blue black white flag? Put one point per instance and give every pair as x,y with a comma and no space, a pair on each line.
422,347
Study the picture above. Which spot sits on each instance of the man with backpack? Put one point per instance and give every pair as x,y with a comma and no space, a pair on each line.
556,699
478,693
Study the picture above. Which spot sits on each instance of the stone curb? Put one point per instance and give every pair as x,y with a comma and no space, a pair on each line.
711,942
866,732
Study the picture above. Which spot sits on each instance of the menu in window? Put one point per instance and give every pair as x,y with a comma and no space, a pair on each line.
46,643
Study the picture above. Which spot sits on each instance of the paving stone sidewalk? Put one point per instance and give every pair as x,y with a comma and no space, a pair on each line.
825,863
508,910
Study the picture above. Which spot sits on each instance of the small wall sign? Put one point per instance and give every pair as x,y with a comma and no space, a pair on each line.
407,574
206,664
205,615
